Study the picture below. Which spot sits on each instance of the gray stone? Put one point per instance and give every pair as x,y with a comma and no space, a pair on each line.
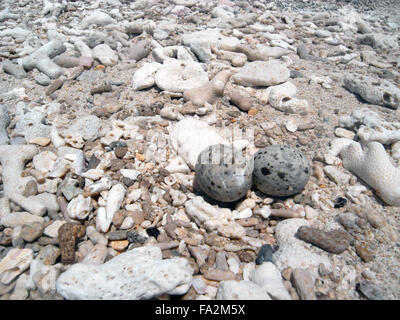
375,91
95,38
15,69
280,170
262,74
202,52
4,122
86,127
139,50
265,254
66,61
223,174
31,125
41,59
42,79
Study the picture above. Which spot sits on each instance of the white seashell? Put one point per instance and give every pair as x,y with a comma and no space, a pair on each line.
55,138
79,207
170,180
130,173
264,211
291,126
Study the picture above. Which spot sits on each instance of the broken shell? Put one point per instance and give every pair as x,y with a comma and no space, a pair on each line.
170,180
79,207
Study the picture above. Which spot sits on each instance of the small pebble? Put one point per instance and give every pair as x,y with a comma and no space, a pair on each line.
363,251
335,241
264,254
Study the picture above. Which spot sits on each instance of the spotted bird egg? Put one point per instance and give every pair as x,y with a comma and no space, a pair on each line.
223,173
280,170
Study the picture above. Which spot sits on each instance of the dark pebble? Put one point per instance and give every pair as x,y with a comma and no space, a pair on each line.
115,144
127,182
265,254
120,152
93,162
117,235
335,241
340,202
134,237
153,232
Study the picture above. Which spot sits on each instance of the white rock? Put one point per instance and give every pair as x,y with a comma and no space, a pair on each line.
247,203
268,277
79,207
139,273
114,200
44,162
178,197
234,264
19,218
83,49
127,223
245,213
189,137
96,255
14,263
95,236
98,18
144,77
336,175
134,195
311,213
264,211
177,165
213,218
5,208
52,230
43,277
343,133
240,290
130,173
180,75
48,200
282,98
105,55
210,37
262,74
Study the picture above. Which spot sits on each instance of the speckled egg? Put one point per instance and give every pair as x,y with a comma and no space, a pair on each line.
223,173
280,170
